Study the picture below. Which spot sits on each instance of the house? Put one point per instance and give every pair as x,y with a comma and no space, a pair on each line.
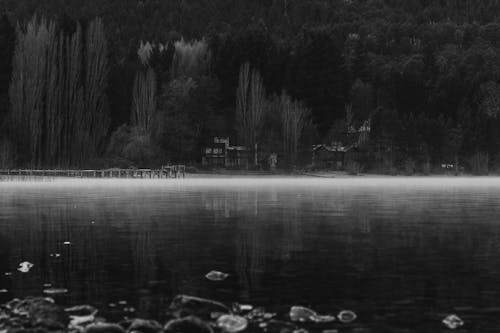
237,157
334,156
221,154
338,154
214,154
329,156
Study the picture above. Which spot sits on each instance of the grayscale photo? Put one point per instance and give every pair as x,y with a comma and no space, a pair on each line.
253,166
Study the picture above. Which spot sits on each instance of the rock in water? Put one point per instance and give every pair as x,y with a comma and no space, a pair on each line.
346,316
216,276
183,306
238,308
55,291
232,323
81,315
323,319
104,328
453,322
144,326
188,324
259,314
81,310
303,314
25,267
216,315
81,321
34,312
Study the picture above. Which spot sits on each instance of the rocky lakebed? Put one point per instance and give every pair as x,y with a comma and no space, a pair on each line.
185,314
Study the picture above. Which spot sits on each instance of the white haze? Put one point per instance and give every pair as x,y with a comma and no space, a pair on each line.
242,182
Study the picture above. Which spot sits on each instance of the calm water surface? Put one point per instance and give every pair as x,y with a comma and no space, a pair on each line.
401,252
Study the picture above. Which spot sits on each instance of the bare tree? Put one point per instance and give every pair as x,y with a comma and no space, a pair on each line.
294,117
250,107
144,99
57,93
95,119
28,87
64,98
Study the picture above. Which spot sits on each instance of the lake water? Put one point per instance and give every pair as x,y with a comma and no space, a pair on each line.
401,252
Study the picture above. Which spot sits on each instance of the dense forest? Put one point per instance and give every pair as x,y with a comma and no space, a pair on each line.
98,83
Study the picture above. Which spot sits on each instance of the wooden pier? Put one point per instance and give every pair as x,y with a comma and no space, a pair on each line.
167,171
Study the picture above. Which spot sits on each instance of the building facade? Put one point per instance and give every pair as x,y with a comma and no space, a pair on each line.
221,154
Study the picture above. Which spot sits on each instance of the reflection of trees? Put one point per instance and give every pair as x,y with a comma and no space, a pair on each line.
143,255
268,229
250,252
291,240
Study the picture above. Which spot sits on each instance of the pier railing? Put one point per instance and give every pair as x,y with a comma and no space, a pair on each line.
166,171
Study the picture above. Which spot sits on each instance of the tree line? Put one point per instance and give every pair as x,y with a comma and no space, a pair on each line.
278,75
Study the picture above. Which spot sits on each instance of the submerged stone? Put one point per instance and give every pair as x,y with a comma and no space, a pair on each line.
303,314
25,267
55,291
34,312
237,307
453,321
104,328
81,315
144,326
259,314
216,276
77,321
323,319
81,310
183,305
216,315
190,324
232,323
346,316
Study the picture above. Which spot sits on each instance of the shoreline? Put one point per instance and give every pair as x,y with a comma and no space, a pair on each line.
248,175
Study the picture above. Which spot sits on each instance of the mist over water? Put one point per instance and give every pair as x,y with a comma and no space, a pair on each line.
401,252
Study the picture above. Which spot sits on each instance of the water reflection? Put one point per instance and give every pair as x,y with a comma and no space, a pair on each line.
400,257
